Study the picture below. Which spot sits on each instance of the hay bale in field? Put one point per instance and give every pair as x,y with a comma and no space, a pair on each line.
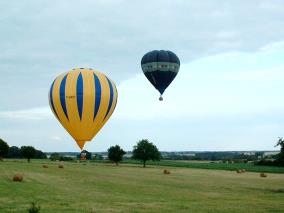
167,172
18,178
60,165
239,171
277,190
263,175
45,166
243,170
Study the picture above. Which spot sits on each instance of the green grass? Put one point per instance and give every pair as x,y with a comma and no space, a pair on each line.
93,187
216,166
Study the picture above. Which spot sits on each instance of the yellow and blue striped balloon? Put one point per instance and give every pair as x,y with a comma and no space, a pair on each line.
82,100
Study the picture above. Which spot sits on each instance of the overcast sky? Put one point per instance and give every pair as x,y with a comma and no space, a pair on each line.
228,94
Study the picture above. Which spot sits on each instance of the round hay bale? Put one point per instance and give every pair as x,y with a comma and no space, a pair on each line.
18,178
263,175
166,172
60,166
239,171
45,166
243,170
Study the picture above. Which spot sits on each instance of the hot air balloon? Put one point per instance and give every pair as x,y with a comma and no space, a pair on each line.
82,100
160,67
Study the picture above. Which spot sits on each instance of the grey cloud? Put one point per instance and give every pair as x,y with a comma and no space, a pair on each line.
40,39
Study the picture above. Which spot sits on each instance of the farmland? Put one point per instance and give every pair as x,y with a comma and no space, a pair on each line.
101,187
213,165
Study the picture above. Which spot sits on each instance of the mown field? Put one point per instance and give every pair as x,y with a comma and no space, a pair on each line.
98,187
212,165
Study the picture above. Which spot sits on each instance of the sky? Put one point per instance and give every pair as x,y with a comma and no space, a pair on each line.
228,94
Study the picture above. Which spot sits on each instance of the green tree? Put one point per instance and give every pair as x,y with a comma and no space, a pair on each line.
115,154
28,152
4,148
280,156
54,156
40,154
33,208
144,151
14,152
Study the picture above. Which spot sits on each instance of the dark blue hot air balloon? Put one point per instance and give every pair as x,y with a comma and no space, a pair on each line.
160,67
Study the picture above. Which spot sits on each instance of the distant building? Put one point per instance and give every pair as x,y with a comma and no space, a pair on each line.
248,153
105,157
127,155
189,154
265,154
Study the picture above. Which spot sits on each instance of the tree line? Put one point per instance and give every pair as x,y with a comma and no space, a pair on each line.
212,156
143,151
27,152
279,158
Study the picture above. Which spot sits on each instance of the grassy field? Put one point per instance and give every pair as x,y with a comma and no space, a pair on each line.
94,187
212,165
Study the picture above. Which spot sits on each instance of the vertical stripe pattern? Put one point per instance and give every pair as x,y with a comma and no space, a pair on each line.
111,97
62,95
97,94
51,100
79,95
83,100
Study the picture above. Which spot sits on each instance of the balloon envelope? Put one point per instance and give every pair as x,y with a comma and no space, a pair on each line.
82,100
160,67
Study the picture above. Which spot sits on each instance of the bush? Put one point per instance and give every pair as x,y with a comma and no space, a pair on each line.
65,158
57,157
34,208
266,162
